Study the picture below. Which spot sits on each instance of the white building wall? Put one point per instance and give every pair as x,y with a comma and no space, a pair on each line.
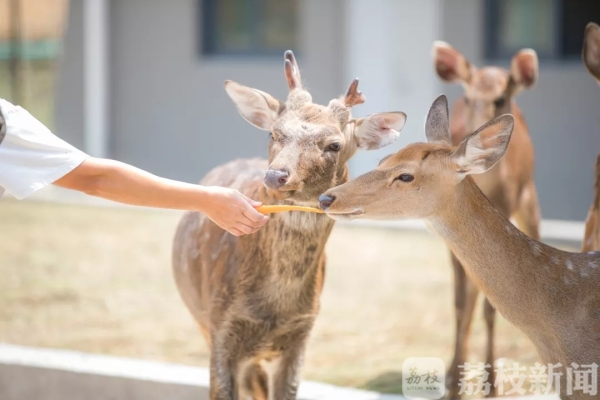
169,113
388,49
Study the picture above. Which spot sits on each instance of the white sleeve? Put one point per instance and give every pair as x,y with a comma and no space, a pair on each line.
31,157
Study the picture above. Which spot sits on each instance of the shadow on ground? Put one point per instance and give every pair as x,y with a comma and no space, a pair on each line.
388,382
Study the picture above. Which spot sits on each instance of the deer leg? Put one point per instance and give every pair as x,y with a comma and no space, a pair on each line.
590,238
286,377
256,385
528,215
489,314
222,381
465,297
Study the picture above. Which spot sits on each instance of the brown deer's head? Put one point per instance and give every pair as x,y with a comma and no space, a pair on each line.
310,143
489,91
591,50
419,180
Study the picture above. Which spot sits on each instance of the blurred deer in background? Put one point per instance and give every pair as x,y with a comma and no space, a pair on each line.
591,59
256,297
550,294
488,93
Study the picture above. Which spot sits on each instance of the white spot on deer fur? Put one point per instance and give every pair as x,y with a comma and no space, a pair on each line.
536,249
570,265
583,272
593,265
547,268
221,247
184,266
566,280
555,260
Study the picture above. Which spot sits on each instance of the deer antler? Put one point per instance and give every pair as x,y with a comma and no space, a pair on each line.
353,95
292,72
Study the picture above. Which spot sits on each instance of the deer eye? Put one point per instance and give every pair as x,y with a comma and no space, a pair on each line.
335,147
406,178
499,102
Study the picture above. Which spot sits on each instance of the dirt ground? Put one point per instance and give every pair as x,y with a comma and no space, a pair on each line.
98,279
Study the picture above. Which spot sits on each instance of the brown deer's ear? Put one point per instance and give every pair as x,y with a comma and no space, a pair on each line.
378,130
450,64
591,49
481,150
257,107
524,68
437,124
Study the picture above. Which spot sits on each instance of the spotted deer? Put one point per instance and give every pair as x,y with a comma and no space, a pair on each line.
256,297
591,59
488,93
550,294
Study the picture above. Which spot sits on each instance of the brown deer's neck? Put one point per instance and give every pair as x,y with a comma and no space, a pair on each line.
502,261
293,242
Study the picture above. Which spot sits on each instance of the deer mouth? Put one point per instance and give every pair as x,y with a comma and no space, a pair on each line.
280,194
346,214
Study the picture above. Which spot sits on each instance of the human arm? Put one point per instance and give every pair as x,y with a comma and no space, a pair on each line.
123,183
32,157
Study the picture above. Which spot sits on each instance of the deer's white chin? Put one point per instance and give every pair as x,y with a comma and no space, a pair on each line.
357,213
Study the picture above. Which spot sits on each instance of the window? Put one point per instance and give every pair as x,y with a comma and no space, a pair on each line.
553,28
257,27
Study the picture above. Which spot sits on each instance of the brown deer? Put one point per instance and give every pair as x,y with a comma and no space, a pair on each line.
591,59
256,297
488,93
550,294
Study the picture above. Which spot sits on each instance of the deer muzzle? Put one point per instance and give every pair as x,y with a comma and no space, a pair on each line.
276,179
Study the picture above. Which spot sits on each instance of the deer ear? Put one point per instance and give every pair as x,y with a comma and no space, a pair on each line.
378,130
257,107
437,124
524,68
481,150
591,49
450,64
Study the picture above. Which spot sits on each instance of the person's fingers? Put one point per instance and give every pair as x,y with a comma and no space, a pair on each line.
244,228
264,220
253,216
253,203
235,231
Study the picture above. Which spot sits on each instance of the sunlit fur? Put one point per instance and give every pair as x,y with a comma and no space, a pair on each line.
591,59
550,294
489,92
256,297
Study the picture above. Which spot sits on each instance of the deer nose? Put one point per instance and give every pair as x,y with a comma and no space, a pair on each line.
325,201
275,179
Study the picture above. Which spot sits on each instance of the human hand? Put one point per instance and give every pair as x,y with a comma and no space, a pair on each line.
232,211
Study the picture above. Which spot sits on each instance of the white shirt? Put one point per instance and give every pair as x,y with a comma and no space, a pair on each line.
31,157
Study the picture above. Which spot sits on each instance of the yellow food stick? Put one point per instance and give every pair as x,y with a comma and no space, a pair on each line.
274,209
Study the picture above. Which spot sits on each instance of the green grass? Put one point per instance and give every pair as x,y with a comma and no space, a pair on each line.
99,280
